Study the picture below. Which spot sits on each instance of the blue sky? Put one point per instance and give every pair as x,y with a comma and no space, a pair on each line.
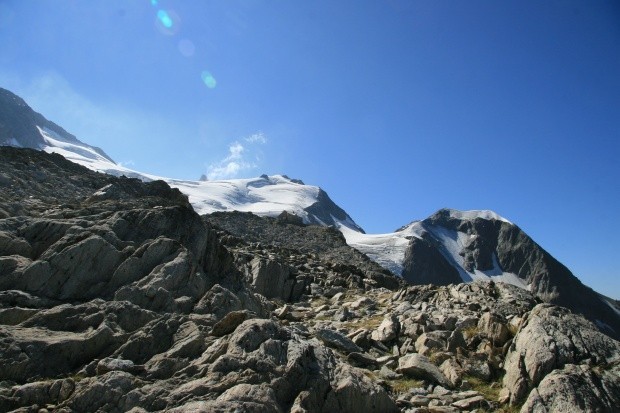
396,108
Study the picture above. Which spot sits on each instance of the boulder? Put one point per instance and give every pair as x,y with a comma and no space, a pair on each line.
495,328
339,341
430,342
362,360
453,371
475,402
104,393
354,392
218,301
576,388
387,330
230,322
49,353
550,338
13,245
79,271
251,398
271,278
115,364
420,367
43,392
362,302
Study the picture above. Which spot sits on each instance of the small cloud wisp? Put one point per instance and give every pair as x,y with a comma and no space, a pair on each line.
237,160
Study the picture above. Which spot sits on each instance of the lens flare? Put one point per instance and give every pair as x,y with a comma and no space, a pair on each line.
186,47
154,3
208,79
164,18
168,22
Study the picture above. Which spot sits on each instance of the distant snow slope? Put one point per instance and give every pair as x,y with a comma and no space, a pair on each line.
265,195
386,249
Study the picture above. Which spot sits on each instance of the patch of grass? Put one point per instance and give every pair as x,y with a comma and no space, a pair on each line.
404,384
78,377
508,409
369,323
383,299
471,331
436,356
372,376
319,301
487,389
503,409
490,391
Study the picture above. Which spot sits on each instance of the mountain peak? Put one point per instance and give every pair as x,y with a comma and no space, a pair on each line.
281,177
267,195
21,126
469,215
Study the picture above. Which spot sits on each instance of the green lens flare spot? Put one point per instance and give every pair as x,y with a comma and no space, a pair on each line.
208,79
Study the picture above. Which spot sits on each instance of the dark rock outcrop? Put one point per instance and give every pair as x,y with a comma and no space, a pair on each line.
424,264
324,210
312,254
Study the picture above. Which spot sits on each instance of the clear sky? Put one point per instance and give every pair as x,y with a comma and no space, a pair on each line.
396,108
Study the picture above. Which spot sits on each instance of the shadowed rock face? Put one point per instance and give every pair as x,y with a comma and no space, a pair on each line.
245,233
516,253
326,210
424,264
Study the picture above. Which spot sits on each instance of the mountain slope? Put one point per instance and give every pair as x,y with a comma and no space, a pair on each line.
390,249
448,247
451,247
23,127
266,196
20,126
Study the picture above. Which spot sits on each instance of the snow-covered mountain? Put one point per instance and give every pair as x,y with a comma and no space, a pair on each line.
390,249
266,195
450,246
22,127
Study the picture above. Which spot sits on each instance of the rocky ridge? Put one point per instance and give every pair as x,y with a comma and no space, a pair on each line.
19,126
116,296
492,246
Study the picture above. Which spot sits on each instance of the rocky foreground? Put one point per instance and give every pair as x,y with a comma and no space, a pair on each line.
116,296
